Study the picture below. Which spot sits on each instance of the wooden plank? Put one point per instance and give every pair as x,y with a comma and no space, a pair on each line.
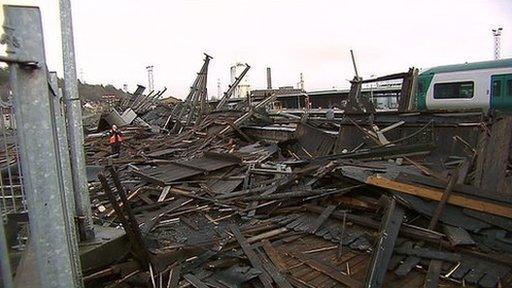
189,223
406,230
383,249
165,191
463,189
395,261
194,281
354,203
321,219
130,225
409,263
432,277
463,171
274,256
130,197
251,255
481,150
174,277
279,279
434,194
145,198
148,178
457,236
427,253
496,159
440,206
501,222
299,283
327,270
267,234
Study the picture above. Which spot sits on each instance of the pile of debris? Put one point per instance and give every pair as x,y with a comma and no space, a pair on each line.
242,198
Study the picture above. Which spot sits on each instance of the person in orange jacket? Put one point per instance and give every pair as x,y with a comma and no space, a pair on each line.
115,139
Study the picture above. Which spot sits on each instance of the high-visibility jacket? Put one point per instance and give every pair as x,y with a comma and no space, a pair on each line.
115,137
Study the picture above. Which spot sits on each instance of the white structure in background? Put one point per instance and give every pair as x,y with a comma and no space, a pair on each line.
497,39
219,90
244,88
300,84
151,82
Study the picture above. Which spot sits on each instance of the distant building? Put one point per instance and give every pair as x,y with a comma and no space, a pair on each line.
109,98
169,101
384,97
244,88
297,96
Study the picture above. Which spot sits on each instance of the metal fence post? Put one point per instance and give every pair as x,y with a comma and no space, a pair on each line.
74,121
39,151
65,171
5,263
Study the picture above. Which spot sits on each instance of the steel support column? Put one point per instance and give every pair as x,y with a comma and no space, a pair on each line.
74,122
50,226
65,170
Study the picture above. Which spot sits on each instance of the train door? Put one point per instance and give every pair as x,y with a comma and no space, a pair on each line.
501,92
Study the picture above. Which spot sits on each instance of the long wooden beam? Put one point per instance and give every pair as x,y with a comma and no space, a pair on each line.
383,249
326,269
435,194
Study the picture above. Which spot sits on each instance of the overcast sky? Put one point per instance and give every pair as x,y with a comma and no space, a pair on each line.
116,39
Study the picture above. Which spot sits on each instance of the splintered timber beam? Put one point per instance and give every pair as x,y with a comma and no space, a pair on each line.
299,194
187,110
383,250
432,277
138,92
435,194
251,255
126,216
406,229
321,219
152,101
248,115
442,203
429,254
200,95
196,282
326,269
231,89
274,255
240,120
273,272
135,105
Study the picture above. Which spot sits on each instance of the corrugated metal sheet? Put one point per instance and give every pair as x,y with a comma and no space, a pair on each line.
315,141
225,186
211,161
175,171
167,173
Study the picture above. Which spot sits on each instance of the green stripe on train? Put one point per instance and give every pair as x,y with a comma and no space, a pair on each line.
424,81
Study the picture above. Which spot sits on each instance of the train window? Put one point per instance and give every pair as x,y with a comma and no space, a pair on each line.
509,88
496,88
453,90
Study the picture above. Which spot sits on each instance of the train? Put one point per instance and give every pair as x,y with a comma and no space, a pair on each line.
483,86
